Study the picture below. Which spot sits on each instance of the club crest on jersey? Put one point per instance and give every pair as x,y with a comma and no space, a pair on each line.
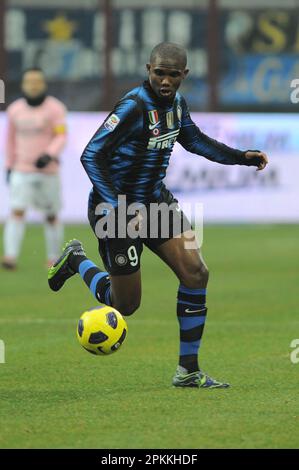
156,132
111,122
179,113
170,120
153,116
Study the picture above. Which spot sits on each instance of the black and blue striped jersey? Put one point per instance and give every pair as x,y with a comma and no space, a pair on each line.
129,154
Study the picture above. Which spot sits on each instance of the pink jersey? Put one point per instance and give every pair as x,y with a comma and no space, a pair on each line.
34,131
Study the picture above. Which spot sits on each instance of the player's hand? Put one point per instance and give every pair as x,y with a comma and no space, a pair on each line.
258,158
43,161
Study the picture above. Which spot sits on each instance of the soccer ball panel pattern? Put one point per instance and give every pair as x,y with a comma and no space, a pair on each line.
112,319
101,330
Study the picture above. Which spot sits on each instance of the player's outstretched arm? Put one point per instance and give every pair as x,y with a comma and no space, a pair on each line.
195,141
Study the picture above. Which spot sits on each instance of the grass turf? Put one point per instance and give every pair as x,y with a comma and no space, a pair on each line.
56,395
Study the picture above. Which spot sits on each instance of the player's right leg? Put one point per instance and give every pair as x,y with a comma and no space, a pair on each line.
13,235
20,195
188,265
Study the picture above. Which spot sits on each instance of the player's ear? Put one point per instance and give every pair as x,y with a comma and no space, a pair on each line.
148,67
186,71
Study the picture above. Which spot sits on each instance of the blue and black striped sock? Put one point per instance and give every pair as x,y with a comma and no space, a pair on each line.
96,280
191,312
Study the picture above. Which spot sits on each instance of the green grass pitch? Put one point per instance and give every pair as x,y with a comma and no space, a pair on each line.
56,395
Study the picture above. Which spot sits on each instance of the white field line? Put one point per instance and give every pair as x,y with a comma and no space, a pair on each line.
72,321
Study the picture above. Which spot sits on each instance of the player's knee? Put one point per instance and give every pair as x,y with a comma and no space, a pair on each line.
51,219
18,214
195,276
128,308
203,273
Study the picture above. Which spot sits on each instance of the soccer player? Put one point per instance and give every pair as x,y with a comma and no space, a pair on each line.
128,156
35,138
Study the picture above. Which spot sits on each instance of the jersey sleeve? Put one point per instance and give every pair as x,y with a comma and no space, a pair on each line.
195,141
10,141
117,127
58,122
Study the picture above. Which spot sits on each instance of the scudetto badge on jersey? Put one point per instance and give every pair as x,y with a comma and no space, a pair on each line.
170,120
112,122
153,116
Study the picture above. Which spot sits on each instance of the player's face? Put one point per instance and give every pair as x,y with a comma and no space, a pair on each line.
33,84
165,77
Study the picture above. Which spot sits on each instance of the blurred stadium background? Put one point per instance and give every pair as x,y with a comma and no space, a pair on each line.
243,55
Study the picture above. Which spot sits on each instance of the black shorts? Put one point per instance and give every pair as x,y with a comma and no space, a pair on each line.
122,255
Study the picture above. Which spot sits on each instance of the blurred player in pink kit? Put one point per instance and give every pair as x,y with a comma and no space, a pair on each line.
35,138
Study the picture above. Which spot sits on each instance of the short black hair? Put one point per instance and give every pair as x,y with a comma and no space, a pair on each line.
33,69
168,50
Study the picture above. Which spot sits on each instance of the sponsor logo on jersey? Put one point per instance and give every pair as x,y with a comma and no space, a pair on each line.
179,112
111,122
153,117
170,120
163,141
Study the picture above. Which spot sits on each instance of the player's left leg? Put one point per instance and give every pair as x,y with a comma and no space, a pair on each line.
119,285
46,197
192,272
53,236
